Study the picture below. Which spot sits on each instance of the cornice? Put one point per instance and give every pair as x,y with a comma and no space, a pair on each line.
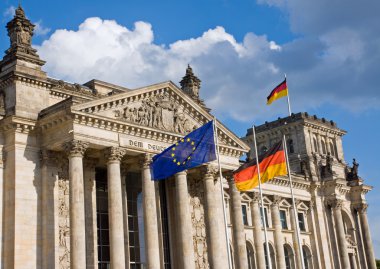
17,124
284,181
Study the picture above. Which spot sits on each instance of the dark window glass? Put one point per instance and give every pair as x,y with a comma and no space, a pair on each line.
301,222
262,217
290,146
251,257
102,219
136,234
284,224
245,217
287,258
305,257
165,225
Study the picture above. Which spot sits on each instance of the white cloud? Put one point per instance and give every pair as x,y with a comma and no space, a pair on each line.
9,12
40,29
337,64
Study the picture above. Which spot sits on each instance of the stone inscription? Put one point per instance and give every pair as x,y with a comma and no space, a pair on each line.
142,145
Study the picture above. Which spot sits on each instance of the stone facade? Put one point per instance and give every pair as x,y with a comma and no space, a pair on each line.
77,192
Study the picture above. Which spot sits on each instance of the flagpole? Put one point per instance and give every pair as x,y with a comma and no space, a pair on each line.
294,204
222,195
262,201
290,111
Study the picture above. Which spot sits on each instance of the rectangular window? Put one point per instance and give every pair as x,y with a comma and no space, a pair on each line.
245,217
301,222
284,224
266,217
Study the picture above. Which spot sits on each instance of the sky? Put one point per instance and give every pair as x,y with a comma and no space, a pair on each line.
328,49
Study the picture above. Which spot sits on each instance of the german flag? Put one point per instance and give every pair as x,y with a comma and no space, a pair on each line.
272,164
280,91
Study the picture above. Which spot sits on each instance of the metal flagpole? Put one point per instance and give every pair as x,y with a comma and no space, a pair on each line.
262,201
222,195
294,203
290,112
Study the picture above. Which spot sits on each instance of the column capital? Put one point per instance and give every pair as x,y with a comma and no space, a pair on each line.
145,160
76,148
361,208
255,197
114,154
335,203
276,200
209,171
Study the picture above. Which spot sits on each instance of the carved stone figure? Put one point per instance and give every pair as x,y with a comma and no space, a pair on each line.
158,112
355,167
196,192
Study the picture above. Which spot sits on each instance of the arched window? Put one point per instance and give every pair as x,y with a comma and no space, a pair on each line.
323,144
290,146
272,257
315,144
307,257
289,257
250,256
332,151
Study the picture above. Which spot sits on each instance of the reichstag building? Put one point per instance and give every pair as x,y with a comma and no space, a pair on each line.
76,189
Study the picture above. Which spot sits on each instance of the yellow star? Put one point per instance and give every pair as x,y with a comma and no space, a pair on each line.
192,143
176,144
189,158
183,162
178,163
173,148
182,140
194,148
175,160
188,139
173,154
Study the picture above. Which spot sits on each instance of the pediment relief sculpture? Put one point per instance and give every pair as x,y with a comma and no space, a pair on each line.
157,111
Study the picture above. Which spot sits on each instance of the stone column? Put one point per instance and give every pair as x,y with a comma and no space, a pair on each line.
185,235
238,234
258,231
336,206
353,261
152,250
297,253
76,150
278,237
367,241
113,156
212,221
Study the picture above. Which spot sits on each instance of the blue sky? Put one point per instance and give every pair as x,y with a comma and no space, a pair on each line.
330,51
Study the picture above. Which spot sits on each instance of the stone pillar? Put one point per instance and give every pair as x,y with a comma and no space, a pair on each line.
336,206
152,250
353,261
297,253
76,150
238,234
258,231
278,237
366,235
212,221
113,156
185,235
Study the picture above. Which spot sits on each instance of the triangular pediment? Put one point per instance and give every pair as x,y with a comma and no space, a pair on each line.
162,107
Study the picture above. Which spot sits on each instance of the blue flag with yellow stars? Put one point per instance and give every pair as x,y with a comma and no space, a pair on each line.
194,149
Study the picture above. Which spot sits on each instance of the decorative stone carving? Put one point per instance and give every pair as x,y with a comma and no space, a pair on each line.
63,219
361,208
191,85
196,191
145,160
256,197
335,203
114,154
209,171
276,200
76,148
160,112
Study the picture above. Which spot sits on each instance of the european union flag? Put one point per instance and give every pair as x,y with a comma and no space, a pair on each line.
194,149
